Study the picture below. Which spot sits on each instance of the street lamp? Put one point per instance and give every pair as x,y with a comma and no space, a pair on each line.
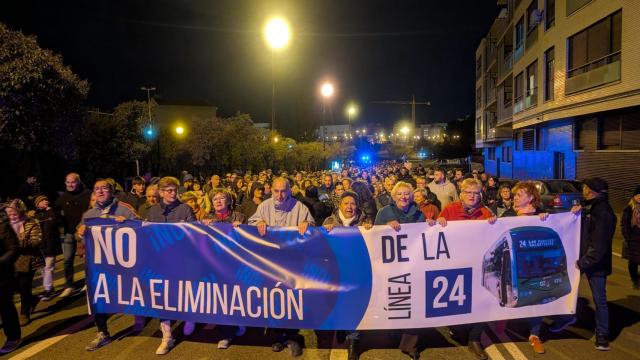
352,110
327,91
277,35
179,130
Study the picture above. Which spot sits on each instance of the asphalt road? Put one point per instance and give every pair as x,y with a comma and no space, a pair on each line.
61,328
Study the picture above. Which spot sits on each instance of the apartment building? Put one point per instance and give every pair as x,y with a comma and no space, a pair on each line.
558,92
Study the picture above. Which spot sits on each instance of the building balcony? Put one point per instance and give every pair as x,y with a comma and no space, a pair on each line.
505,113
595,73
499,133
491,56
531,98
506,66
518,104
532,37
518,52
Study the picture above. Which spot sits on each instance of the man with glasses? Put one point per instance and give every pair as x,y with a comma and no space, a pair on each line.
169,210
469,207
107,206
283,210
70,206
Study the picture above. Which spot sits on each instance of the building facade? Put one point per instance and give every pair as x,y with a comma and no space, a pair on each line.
558,92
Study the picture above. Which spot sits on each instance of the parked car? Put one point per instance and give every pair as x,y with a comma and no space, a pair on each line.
558,195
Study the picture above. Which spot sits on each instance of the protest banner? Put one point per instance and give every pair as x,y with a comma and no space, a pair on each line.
349,278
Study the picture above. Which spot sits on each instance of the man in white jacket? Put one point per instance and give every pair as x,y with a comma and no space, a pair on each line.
443,188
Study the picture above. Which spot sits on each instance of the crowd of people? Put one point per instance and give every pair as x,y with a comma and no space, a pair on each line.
35,230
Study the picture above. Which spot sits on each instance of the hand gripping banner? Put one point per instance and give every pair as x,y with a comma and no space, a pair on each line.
349,278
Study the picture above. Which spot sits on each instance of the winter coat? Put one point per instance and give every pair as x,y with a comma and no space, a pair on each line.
334,219
51,244
499,207
231,217
446,192
30,241
598,227
631,234
318,209
9,252
392,212
429,210
71,206
455,211
172,213
490,195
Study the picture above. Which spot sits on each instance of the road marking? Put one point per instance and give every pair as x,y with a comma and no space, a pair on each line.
338,354
43,344
491,349
507,342
547,349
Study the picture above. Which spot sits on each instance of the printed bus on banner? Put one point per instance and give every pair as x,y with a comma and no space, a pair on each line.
526,266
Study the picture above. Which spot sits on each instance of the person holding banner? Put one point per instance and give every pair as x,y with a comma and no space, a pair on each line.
169,210
402,210
348,214
106,206
527,202
222,213
283,210
469,207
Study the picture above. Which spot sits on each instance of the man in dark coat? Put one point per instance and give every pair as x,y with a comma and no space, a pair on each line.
598,228
70,206
8,314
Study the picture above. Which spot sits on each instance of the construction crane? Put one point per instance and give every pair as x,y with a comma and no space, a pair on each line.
413,104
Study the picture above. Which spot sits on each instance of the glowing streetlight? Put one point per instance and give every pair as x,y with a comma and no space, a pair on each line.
275,139
404,130
277,35
327,90
352,110
179,130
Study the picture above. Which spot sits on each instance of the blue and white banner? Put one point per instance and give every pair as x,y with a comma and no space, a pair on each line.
349,278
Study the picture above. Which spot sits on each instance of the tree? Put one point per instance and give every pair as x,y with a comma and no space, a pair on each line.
41,109
110,142
41,99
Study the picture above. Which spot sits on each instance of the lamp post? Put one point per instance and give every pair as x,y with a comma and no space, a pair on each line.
327,91
277,35
150,131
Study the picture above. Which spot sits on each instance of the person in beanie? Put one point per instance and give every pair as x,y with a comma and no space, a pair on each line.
51,245
630,224
596,237
9,252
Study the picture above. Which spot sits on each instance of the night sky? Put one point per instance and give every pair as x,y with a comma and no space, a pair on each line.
213,51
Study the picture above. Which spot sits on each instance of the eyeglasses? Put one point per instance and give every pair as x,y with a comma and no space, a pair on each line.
472,193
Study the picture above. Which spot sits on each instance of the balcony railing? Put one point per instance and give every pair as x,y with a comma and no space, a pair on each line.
518,52
518,104
507,64
531,98
532,37
605,60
